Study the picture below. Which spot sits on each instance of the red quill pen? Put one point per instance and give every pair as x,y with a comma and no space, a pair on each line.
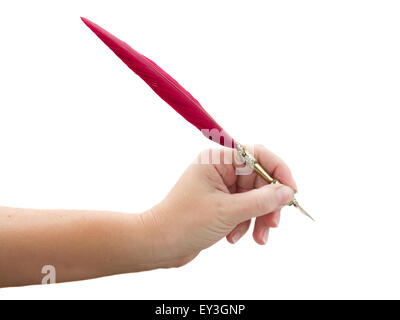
178,98
165,86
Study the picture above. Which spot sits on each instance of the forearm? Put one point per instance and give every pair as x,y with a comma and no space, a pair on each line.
208,202
79,244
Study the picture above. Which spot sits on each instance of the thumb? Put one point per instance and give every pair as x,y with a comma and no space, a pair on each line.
257,202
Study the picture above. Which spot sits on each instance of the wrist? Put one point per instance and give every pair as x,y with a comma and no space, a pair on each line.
155,236
133,244
164,237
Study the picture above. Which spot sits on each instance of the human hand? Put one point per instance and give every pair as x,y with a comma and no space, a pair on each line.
210,201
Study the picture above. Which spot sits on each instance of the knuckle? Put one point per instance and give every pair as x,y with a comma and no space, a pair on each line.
220,206
265,200
261,201
225,219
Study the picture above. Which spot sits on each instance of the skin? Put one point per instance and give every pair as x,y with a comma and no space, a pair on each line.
208,203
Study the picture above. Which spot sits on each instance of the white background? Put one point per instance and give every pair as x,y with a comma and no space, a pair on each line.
317,82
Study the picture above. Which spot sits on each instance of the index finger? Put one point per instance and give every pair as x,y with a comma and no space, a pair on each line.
275,166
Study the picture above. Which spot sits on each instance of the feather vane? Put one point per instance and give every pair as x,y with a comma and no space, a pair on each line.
165,86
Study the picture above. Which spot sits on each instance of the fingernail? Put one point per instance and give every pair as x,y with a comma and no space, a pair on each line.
285,194
236,236
265,235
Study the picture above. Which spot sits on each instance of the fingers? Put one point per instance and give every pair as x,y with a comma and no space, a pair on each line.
261,228
223,160
263,224
246,205
274,166
238,232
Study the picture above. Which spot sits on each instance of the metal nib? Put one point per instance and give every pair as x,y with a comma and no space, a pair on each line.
249,159
296,204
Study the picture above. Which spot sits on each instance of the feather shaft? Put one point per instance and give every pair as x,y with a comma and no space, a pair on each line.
164,86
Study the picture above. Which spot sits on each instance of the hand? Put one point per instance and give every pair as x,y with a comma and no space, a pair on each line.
210,201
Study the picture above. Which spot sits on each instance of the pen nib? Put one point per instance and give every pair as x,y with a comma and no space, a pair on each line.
296,204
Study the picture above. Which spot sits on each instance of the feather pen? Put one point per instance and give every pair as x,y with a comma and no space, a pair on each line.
181,100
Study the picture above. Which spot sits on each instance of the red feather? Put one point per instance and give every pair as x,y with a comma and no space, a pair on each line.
165,86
